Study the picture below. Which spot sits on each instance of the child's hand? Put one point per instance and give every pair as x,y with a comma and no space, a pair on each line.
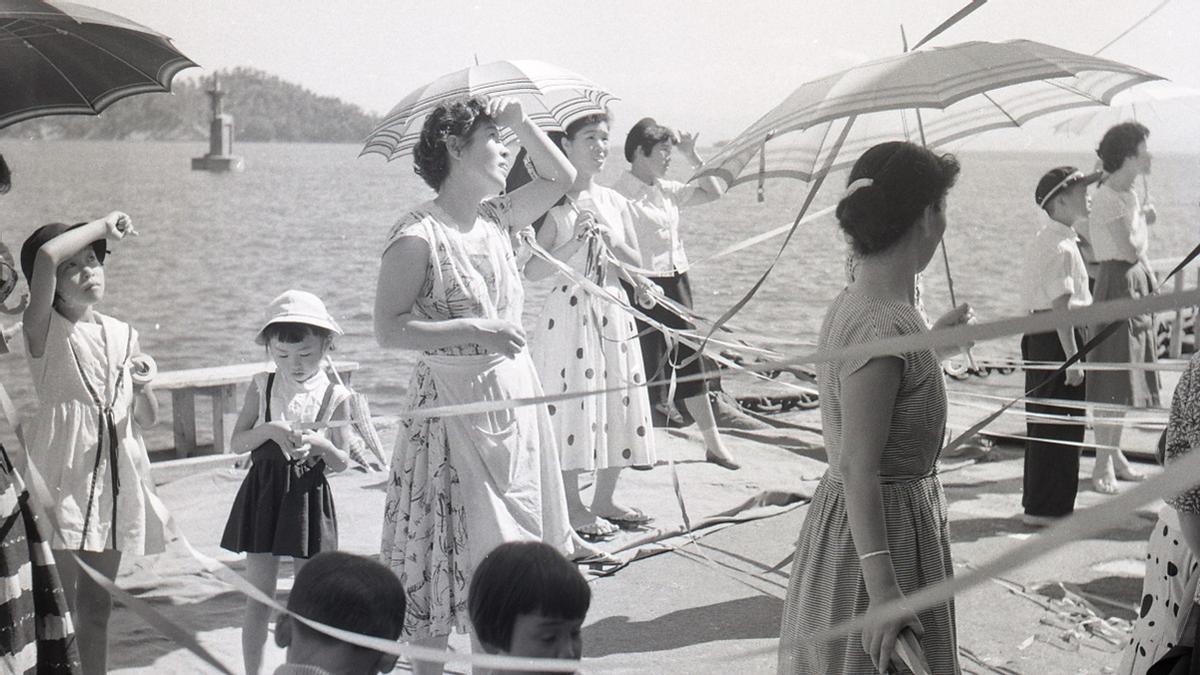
318,444
281,432
118,225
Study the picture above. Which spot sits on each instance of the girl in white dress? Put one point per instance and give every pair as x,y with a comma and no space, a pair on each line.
584,342
85,441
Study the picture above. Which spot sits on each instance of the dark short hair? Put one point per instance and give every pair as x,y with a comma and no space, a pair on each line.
5,176
905,180
581,122
644,136
289,332
1120,143
526,577
350,592
460,117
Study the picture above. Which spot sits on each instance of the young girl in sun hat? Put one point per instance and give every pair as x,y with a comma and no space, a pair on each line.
289,425
84,442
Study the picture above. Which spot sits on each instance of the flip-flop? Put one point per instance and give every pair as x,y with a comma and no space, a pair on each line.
597,531
601,564
635,519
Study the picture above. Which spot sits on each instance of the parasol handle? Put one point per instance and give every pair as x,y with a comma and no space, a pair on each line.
953,299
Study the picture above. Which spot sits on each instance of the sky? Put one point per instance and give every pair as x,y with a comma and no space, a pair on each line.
712,67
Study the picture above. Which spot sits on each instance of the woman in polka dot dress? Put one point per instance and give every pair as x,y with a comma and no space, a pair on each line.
1165,615
583,342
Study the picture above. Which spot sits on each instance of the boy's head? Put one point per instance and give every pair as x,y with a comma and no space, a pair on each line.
648,145
1062,192
527,600
349,592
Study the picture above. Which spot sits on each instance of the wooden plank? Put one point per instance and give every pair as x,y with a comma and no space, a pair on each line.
216,376
183,409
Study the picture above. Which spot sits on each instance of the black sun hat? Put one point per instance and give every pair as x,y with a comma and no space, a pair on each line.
1058,179
44,234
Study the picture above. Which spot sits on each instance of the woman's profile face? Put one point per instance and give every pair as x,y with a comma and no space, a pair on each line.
933,229
660,158
483,155
1141,159
588,149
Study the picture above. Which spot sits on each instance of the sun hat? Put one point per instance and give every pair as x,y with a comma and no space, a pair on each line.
44,234
1058,179
294,306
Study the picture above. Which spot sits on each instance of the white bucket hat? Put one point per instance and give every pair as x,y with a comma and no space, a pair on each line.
297,307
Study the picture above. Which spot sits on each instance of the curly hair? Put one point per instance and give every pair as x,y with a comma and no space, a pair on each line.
905,180
1120,143
460,117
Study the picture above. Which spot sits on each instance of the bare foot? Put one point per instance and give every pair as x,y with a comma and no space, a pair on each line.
1104,479
1124,471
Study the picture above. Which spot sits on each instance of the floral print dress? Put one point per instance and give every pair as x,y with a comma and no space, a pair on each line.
462,484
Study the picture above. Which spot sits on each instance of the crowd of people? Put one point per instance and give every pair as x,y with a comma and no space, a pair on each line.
484,511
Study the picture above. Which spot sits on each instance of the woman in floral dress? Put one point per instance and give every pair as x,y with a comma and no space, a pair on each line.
449,288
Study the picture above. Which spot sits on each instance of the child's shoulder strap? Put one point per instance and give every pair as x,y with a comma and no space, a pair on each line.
266,394
326,410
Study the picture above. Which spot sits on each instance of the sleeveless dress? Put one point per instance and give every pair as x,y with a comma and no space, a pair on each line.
36,635
582,342
826,586
83,443
461,485
285,506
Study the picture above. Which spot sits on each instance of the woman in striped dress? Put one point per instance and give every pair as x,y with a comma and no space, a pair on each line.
876,529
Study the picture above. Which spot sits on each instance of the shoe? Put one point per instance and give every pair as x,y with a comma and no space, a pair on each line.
1039,521
597,531
721,462
635,519
729,415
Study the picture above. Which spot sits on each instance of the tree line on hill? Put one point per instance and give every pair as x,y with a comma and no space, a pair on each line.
264,107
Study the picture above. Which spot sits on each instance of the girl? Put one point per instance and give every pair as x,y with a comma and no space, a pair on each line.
1117,230
877,527
84,441
583,342
449,289
285,505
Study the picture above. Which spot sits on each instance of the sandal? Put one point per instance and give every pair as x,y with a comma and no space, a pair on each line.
634,519
601,564
596,531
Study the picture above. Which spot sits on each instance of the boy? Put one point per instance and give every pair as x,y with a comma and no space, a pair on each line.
343,591
1055,279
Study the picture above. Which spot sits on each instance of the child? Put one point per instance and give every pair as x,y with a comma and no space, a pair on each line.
1055,278
527,600
84,439
342,591
285,506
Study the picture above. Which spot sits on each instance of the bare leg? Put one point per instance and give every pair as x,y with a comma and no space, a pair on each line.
431,667
714,447
602,497
1104,479
91,605
577,511
262,571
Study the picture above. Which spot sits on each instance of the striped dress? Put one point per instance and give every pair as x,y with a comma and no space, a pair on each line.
36,635
826,586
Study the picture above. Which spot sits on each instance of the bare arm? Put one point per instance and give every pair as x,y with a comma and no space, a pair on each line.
401,276
547,237
248,434
555,175
1066,337
708,189
336,458
43,283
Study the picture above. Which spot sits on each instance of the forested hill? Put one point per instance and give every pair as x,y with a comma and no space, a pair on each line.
264,108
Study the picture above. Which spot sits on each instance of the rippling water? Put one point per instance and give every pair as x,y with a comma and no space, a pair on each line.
216,248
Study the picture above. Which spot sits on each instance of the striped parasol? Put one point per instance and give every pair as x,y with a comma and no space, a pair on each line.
551,97
959,91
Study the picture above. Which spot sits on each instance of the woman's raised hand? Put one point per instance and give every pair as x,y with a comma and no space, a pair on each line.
686,141
506,111
500,336
118,226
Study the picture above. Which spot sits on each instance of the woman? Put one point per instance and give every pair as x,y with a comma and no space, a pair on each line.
1117,230
877,528
449,288
585,342
656,204
1165,616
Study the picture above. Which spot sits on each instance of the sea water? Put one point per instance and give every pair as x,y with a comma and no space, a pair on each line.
214,249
